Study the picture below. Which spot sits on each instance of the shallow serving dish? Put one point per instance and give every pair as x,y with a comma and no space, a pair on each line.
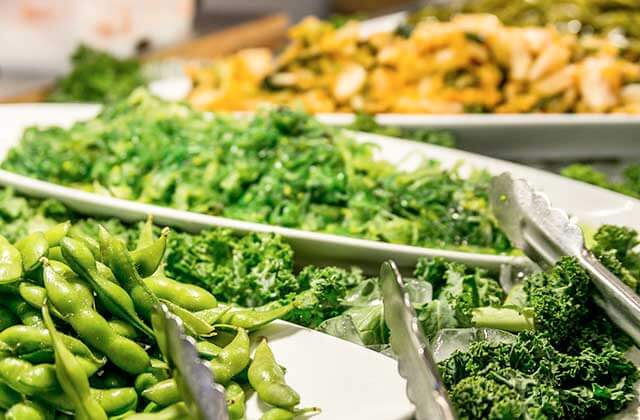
589,204
370,379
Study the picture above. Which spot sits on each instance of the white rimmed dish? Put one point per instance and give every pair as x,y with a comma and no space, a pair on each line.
589,204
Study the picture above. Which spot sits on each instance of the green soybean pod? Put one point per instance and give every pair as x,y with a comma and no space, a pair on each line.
117,257
124,329
7,318
235,397
111,295
27,314
148,259
32,248
278,413
187,296
229,362
10,262
27,378
145,238
8,396
177,411
28,410
253,318
75,302
267,378
33,344
56,233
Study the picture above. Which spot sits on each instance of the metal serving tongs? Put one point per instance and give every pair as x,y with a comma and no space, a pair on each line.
204,398
546,233
415,363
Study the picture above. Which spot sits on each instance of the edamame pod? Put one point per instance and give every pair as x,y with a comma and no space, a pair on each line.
235,401
278,413
10,262
74,301
19,307
32,248
71,378
177,411
148,259
28,410
33,344
187,296
267,378
56,233
253,318
111,295
229,362
119,260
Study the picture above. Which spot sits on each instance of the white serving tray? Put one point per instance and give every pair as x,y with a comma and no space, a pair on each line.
346,380
589,204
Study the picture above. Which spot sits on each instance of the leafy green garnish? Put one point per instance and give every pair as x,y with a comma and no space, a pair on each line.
628,185
97,76
281,167
368,124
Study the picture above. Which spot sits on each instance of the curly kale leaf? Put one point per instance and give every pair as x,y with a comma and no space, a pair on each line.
251,270
537,381
325,291
560,299
617,248
97,76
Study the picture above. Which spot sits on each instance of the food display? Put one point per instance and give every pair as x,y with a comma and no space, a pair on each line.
124,318
97,76
616,19
254,275
280,167
472,63
629,183
76,334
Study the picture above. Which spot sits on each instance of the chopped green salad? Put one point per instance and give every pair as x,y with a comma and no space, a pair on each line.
281,167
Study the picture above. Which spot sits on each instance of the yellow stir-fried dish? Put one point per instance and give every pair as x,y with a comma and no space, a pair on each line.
472,63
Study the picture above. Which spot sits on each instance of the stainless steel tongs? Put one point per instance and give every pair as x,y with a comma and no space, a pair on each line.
415,363
546,233
204,398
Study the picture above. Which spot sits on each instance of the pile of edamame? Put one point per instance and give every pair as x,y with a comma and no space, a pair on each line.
75,335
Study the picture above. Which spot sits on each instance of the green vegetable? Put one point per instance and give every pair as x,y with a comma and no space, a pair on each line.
97,77
367,123
616,248
280,167
629,184
267,378
571,366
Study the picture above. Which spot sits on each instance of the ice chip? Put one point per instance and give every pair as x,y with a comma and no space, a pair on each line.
449,340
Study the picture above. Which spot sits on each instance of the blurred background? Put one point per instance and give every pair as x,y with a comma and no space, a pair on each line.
37,37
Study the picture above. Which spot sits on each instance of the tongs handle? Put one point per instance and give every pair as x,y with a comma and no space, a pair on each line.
546,233
415,363
617,299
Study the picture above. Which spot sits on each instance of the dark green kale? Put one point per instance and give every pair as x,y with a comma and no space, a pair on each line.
571,366
628,185
457,290
281,167
325,290
97,76
250,270
368,124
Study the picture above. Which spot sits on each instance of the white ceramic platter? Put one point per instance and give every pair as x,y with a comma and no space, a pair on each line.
346,380
343,379
587,203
